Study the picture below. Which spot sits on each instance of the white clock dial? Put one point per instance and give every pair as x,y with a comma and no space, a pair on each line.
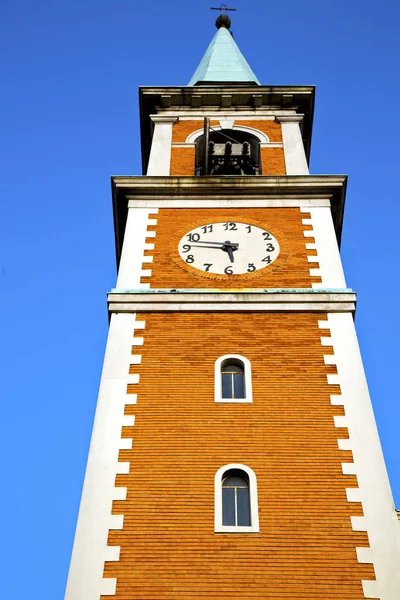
231,248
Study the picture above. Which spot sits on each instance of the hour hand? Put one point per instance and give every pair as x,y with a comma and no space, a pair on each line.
229,247
229,250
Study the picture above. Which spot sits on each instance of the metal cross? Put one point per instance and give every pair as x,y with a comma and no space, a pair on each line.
223,8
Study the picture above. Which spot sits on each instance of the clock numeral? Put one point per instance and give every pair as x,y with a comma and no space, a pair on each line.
186,248
228,271
190,259
270,248
193,237
248,228
267,235
267,259
230,226
251,267
207,266
207,229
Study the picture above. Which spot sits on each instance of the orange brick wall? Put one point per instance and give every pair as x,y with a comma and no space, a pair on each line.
183,159
290,270
306,547
273,161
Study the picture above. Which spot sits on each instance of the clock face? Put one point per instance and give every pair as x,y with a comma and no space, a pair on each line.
230,248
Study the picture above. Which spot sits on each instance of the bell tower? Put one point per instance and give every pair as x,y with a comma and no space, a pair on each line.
234,451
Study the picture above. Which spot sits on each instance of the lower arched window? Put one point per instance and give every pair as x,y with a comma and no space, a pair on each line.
236,499
236,503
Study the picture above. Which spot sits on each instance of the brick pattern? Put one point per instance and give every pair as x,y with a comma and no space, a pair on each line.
183,159
182,129
273,161
291,269
306,548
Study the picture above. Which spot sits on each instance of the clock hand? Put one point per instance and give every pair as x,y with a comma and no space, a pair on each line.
218,245
229,248
215,243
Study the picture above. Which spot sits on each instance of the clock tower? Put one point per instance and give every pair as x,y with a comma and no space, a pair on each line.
234,451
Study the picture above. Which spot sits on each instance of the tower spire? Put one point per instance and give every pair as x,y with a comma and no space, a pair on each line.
223,62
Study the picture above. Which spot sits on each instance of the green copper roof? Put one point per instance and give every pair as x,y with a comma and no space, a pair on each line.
223,62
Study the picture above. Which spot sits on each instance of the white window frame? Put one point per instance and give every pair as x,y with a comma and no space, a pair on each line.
247,379
255,524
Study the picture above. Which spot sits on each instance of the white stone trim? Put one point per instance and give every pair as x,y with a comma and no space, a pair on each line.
90,551
183,145
132,260
247,379
295,156
237,202
255,525
379,520
206,300
161,144
191,139
328,257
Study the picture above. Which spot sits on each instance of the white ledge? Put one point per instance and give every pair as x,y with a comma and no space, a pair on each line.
231,301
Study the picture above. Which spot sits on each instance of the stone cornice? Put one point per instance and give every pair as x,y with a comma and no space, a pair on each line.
232,300
164,118
140,186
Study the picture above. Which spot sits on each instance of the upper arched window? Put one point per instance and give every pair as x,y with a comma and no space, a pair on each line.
233,379
236,502
230,152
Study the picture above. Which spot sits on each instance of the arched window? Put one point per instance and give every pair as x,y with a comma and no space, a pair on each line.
236,499
236,504
233,379
230,152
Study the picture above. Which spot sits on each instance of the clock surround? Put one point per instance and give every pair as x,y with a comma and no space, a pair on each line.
211,260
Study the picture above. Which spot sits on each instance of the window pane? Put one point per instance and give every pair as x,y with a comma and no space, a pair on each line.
228,506
226,385
243,506
234,482
239,385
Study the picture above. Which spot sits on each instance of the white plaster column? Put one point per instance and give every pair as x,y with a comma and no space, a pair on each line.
295,156
160,153
85,580
380,519
132,256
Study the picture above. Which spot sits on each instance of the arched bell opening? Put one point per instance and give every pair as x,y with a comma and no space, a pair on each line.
230,152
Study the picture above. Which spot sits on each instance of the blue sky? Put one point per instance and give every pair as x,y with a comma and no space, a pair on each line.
69,116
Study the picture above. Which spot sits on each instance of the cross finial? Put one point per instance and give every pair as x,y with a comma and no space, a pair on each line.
223,8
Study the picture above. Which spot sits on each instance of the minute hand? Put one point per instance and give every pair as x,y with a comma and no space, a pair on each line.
206,243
